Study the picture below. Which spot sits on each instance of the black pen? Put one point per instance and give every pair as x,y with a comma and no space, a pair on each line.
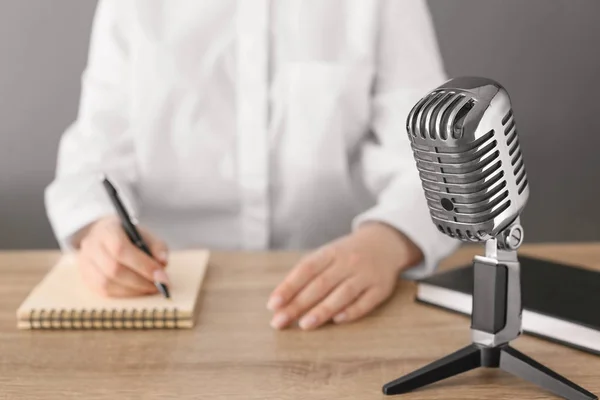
130,229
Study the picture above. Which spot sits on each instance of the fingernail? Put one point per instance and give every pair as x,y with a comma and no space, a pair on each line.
279,321
341,317
274,303
308,322
161,276
163,256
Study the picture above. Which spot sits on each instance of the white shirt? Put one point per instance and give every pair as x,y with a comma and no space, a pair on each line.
252,124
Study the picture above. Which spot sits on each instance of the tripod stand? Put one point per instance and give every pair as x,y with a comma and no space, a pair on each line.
495,321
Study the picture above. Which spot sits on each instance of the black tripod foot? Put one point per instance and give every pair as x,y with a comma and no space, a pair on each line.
504,357
463,360
518,364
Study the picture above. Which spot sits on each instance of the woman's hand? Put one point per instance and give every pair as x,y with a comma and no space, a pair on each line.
113,266
345,279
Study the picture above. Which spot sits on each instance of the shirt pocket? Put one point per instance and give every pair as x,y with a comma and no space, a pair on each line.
328,107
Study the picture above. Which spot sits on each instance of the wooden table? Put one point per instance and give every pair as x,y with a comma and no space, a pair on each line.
234,354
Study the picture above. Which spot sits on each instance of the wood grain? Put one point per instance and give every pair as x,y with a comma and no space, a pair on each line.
233,354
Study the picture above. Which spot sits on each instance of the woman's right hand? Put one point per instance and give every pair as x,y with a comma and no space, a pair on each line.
113,266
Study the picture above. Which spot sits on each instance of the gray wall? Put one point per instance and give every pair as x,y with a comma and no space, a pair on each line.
546,52
43,47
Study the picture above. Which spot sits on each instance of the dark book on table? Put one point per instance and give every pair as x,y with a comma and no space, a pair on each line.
561,303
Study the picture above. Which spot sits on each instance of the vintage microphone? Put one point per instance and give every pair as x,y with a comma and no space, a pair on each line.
467,152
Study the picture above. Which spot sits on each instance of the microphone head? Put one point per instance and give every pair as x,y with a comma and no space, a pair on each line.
465,144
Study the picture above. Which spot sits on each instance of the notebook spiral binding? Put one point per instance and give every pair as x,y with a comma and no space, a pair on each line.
166,318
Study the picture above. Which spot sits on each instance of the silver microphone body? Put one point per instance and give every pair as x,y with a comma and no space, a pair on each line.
465,144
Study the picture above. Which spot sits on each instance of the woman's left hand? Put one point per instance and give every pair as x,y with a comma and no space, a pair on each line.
344,280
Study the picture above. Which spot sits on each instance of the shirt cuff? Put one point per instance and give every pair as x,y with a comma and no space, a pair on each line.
72,203
412,218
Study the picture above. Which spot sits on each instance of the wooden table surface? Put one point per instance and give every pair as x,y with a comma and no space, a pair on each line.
232,353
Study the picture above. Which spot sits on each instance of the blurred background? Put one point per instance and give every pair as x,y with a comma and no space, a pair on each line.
546,53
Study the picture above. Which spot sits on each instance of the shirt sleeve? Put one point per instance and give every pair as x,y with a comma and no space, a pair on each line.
408,66
99,141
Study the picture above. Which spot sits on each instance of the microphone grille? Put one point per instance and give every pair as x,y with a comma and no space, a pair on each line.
443,112
464,187
514,151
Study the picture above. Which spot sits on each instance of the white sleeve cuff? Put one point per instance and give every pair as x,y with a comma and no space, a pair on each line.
409,214
74,202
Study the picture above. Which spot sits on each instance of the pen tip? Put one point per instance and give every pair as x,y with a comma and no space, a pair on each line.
164,290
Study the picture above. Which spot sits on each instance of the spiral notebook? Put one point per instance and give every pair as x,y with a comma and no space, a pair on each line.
62,301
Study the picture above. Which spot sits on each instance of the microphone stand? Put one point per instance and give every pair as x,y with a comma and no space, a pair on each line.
495,321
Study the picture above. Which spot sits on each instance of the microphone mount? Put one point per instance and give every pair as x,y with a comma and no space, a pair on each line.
497,309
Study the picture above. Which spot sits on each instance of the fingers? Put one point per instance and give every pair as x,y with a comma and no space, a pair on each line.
340,298
158,248
120,274
101,284
114,266
370,299
343,281
111,270
126,253
303,273
315,291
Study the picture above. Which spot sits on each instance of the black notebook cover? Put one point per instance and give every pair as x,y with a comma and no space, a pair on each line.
560,302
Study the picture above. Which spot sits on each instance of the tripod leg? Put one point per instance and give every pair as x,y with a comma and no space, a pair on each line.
463,360
520,365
